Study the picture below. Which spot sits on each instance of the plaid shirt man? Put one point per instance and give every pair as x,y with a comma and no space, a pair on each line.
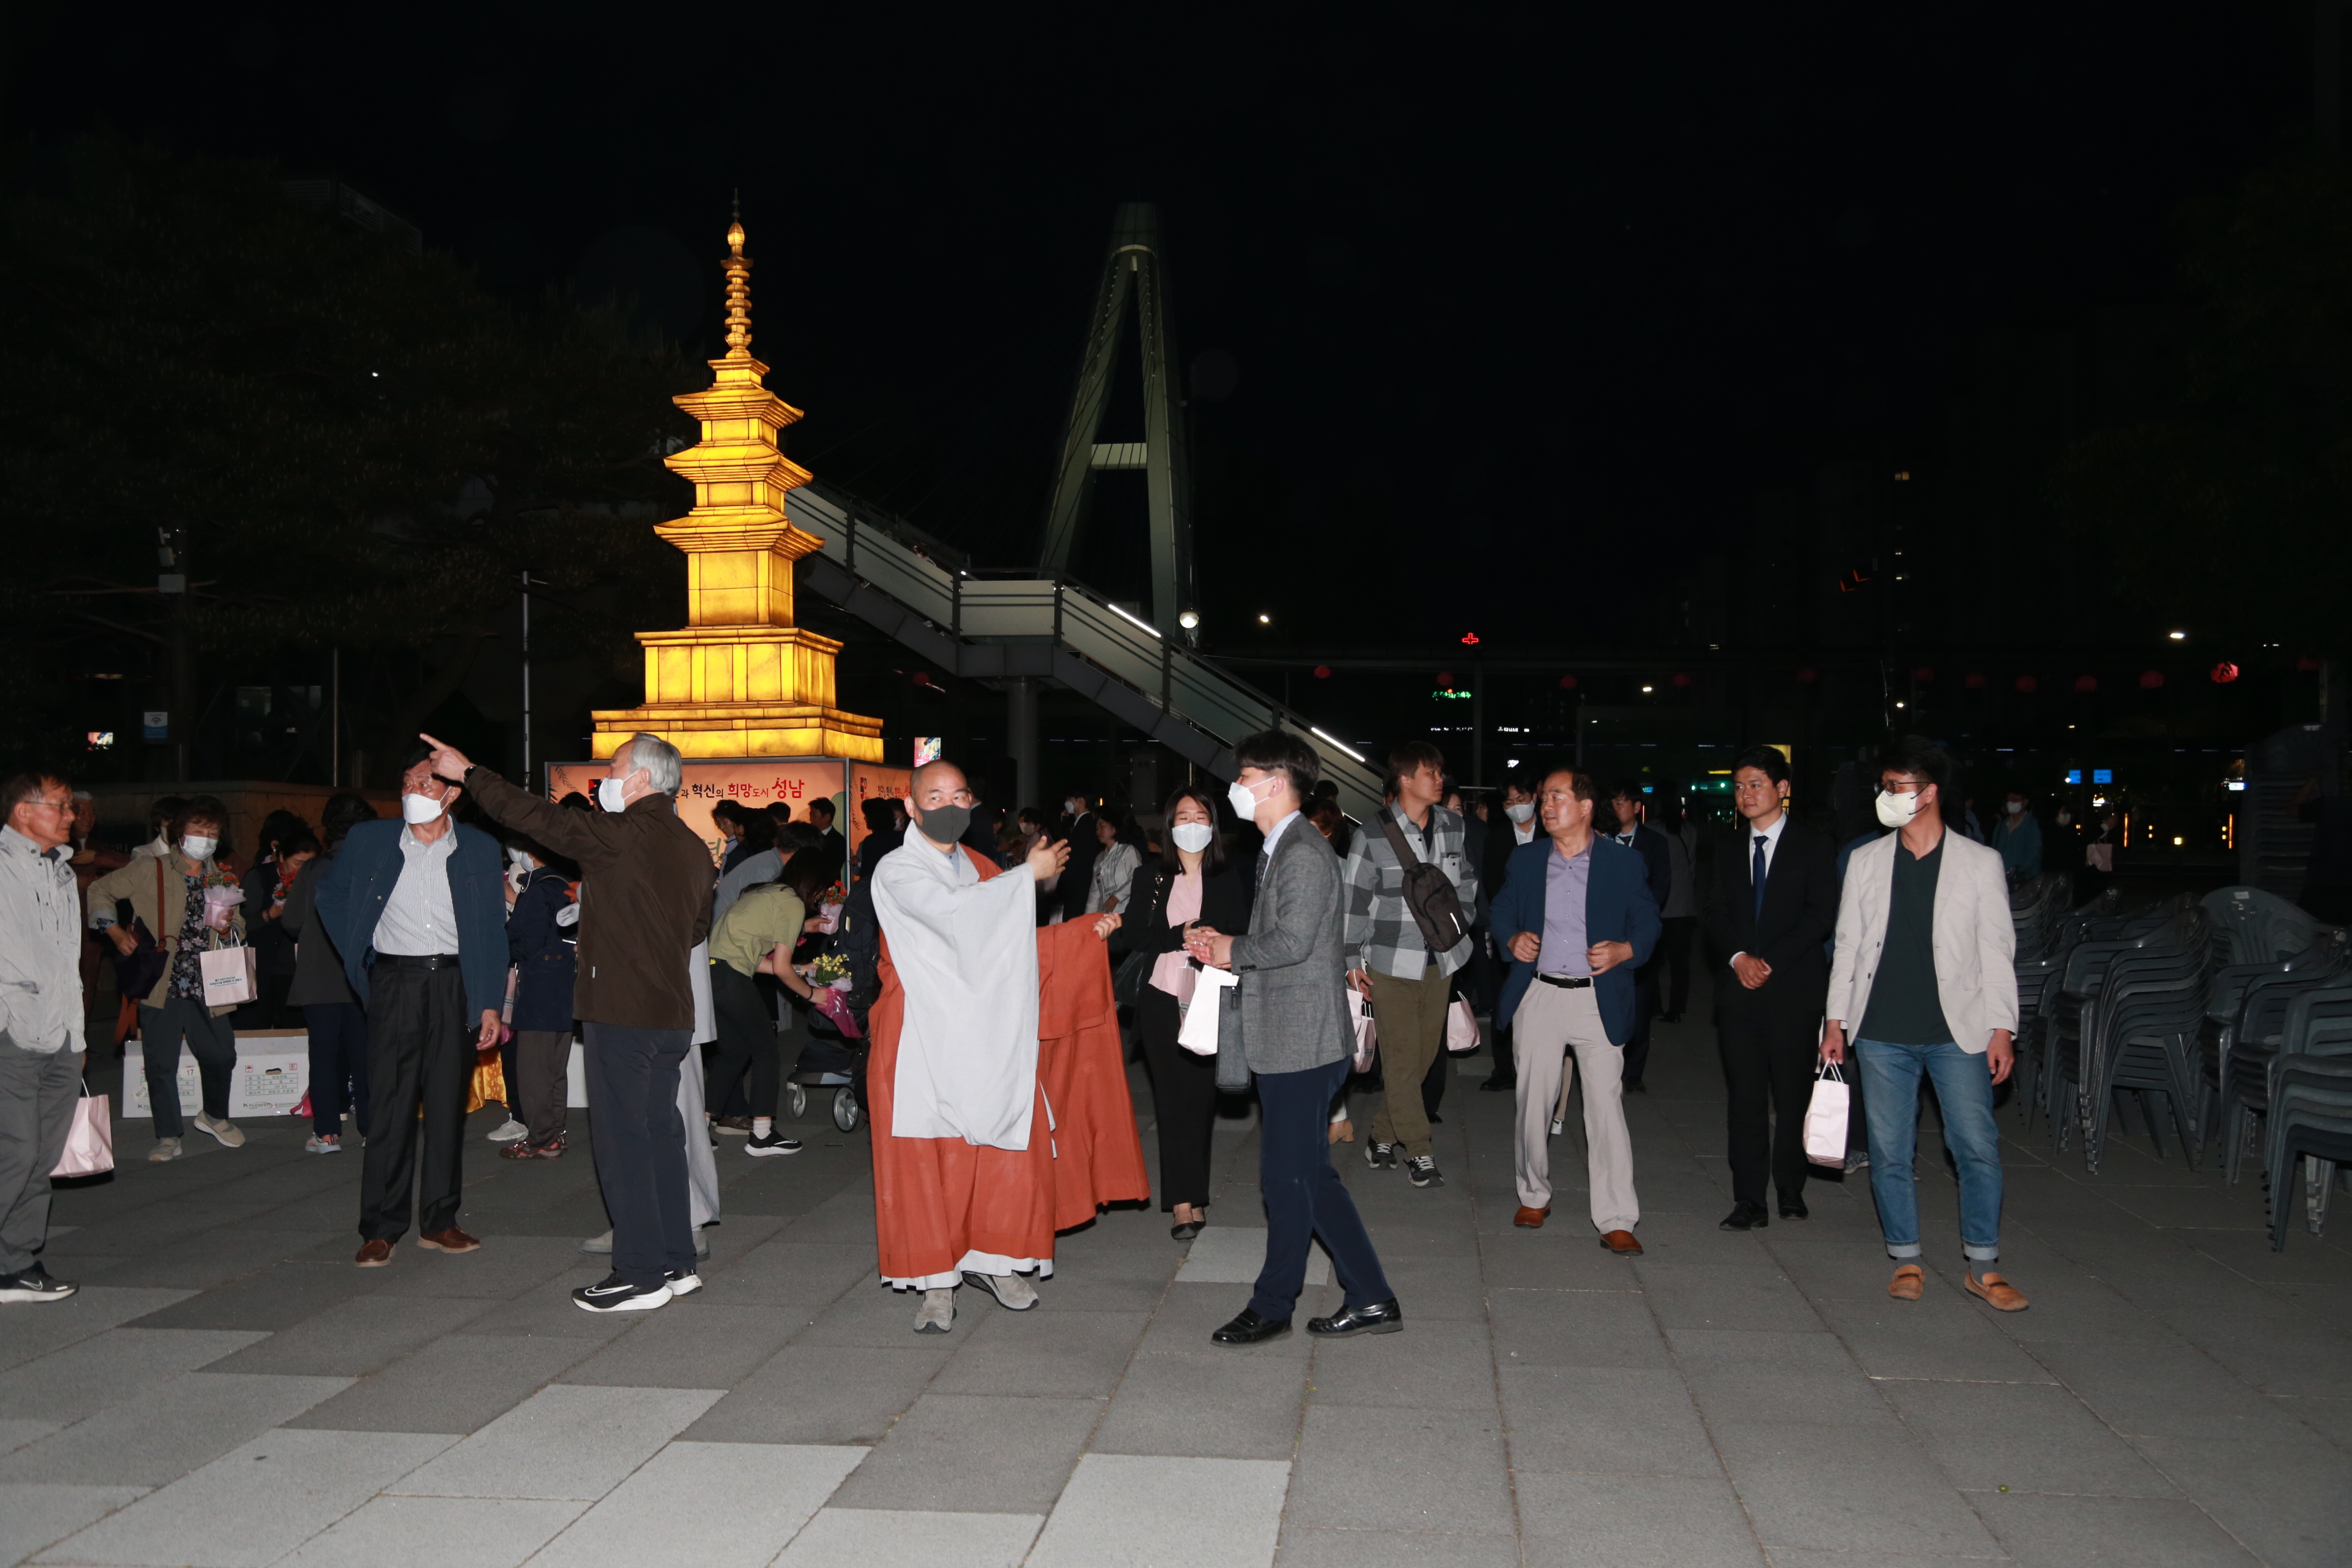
1378,933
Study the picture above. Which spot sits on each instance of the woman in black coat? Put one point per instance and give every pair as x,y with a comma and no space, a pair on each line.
1190,883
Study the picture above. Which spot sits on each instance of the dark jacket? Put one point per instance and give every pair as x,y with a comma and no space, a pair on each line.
543,954
1078,876
351,896
874,846
1144,928
1502,843
1657,861
273,948
645,899
318,967
1801,907
1618,907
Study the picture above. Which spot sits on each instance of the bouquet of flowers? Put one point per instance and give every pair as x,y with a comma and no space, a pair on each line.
830,977
829,903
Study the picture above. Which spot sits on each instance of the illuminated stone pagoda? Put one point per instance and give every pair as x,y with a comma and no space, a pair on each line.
739,680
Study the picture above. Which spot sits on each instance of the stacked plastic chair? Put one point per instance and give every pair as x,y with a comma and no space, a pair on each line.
2256,1040
2061,1051
2137,1034
2308,1089
2235,987
2257,925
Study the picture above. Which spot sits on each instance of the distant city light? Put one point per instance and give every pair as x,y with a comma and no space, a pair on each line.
2178,637
1265,620
1647,689
1189,619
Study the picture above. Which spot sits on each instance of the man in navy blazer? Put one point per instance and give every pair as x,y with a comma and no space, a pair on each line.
417,910
1578,918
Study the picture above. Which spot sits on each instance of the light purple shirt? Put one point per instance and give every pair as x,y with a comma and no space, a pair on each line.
1565,884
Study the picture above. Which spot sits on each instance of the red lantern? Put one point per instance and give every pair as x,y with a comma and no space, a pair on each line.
2086,683
1808,675
2151,679
1973,680
1680,679
2224,673
1567,683
1921,672
1322,672
2028,683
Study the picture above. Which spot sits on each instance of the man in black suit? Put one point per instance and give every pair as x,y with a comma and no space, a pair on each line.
1769,1017
1078,876
1512,825
1625,804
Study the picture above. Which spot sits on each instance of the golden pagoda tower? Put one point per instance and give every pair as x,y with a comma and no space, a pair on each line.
739,680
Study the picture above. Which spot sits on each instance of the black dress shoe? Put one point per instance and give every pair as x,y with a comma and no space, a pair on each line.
1188,1230
1249,1329
1745,1216
1635,1086
1794,1208
1501,1083
1377,1318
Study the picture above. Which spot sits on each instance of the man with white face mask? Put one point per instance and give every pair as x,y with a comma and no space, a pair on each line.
417,909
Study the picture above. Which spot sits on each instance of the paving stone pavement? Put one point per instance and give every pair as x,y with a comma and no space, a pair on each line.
229,1391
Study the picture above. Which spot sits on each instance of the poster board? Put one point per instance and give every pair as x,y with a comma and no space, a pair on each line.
272,1074
754,782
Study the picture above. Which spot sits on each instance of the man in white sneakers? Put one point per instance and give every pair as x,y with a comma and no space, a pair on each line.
40,1021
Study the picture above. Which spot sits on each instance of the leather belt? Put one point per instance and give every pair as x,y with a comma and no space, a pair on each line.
1567,982
428,961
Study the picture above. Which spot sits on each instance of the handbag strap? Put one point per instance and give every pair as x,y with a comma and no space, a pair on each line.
1405,857
1832,1071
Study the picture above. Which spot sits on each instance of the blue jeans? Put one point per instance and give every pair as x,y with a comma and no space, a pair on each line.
1890,1101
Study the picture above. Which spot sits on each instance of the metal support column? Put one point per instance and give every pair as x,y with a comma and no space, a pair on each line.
1021,726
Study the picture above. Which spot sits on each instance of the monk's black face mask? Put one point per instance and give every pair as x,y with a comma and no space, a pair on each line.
946,824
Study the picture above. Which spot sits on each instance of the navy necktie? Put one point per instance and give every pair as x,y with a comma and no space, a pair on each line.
1761,871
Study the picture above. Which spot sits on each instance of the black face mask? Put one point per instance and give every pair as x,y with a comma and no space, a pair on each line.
945,824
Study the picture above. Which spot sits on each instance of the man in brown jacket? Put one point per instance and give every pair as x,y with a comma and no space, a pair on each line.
644,903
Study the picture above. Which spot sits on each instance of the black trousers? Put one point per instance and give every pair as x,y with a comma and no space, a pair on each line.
1645,1007
38,1091
1767,1074
1673,959
747,1042
339,1079
212,1041
640,1147
420,1057
1183,1100
543,1083
1305,1197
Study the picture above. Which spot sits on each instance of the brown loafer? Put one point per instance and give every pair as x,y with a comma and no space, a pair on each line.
1623,1244
1998,1293
1909,1281
1531,1218
449,1240
373,1254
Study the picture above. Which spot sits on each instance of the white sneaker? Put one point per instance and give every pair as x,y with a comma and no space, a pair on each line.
683,1283
509,1131
315,1144
165,1148
224,1130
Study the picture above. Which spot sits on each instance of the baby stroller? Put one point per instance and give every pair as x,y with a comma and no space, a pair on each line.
828,1061
832,1060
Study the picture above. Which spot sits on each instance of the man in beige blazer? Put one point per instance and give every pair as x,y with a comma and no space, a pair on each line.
1924,982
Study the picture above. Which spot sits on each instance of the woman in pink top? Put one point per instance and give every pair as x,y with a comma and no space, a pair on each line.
1190,882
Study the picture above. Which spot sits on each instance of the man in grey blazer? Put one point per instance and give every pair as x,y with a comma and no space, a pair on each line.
1924,980
1297,1038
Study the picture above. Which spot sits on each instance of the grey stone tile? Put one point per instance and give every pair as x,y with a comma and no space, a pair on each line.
355,1337
2144,1390
1209,1404
1683,1296
1374,1470
1563,1255
255,1503
1193,1312
892,1538
2289,1503
1305,1546
730,1505
1117,1498
444,1532
34,1514
1448,1366
562,1442
693,1344
143,1229
1436,1290
1888,1494
809,1394
2033,1436
460,1384
109,1368
970,1452
1039,1352
2277,1357
1636,1521
876,1317
1606,1419
2039,1530
2331,1418
784,1273
203,1261
93,1310
270,1299
505,1267
1938,1336
1752,1375
188,1422
15,1434
1234,1255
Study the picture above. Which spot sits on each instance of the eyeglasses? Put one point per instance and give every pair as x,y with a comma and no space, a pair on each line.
1901,786
1753,786
1557,796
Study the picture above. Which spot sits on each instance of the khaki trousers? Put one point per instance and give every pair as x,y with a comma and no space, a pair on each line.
1551,1022
1410,1014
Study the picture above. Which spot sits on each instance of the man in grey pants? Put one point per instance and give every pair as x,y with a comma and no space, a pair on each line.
40,1022
1295,1033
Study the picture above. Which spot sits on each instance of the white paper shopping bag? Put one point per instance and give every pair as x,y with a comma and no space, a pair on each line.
1199,1032
1825,1119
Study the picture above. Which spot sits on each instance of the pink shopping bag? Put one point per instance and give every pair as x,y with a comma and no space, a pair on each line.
1825,1119
90,1142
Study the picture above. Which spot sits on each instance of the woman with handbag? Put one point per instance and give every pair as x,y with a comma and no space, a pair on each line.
166,894
1190,882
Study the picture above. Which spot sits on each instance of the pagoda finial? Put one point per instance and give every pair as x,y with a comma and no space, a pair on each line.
739,288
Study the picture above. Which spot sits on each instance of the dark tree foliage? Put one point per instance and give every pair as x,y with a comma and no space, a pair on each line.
2234,513
363,447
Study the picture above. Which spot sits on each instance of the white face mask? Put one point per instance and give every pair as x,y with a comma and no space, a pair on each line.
420,809
2015,806
521,860
1192,836
609,796
2065,818
1244,800
1897,810
196,846
1520,811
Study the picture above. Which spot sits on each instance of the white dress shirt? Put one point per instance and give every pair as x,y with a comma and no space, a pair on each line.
1771,838
419,919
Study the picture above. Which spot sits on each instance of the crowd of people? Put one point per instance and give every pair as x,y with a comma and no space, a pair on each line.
972,969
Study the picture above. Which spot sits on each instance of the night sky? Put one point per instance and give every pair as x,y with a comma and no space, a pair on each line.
1465,278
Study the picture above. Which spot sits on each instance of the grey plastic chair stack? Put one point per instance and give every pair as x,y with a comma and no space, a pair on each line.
2257,924
2064,1058
2225,1010
2309,1089
2256,1044
2137,1037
